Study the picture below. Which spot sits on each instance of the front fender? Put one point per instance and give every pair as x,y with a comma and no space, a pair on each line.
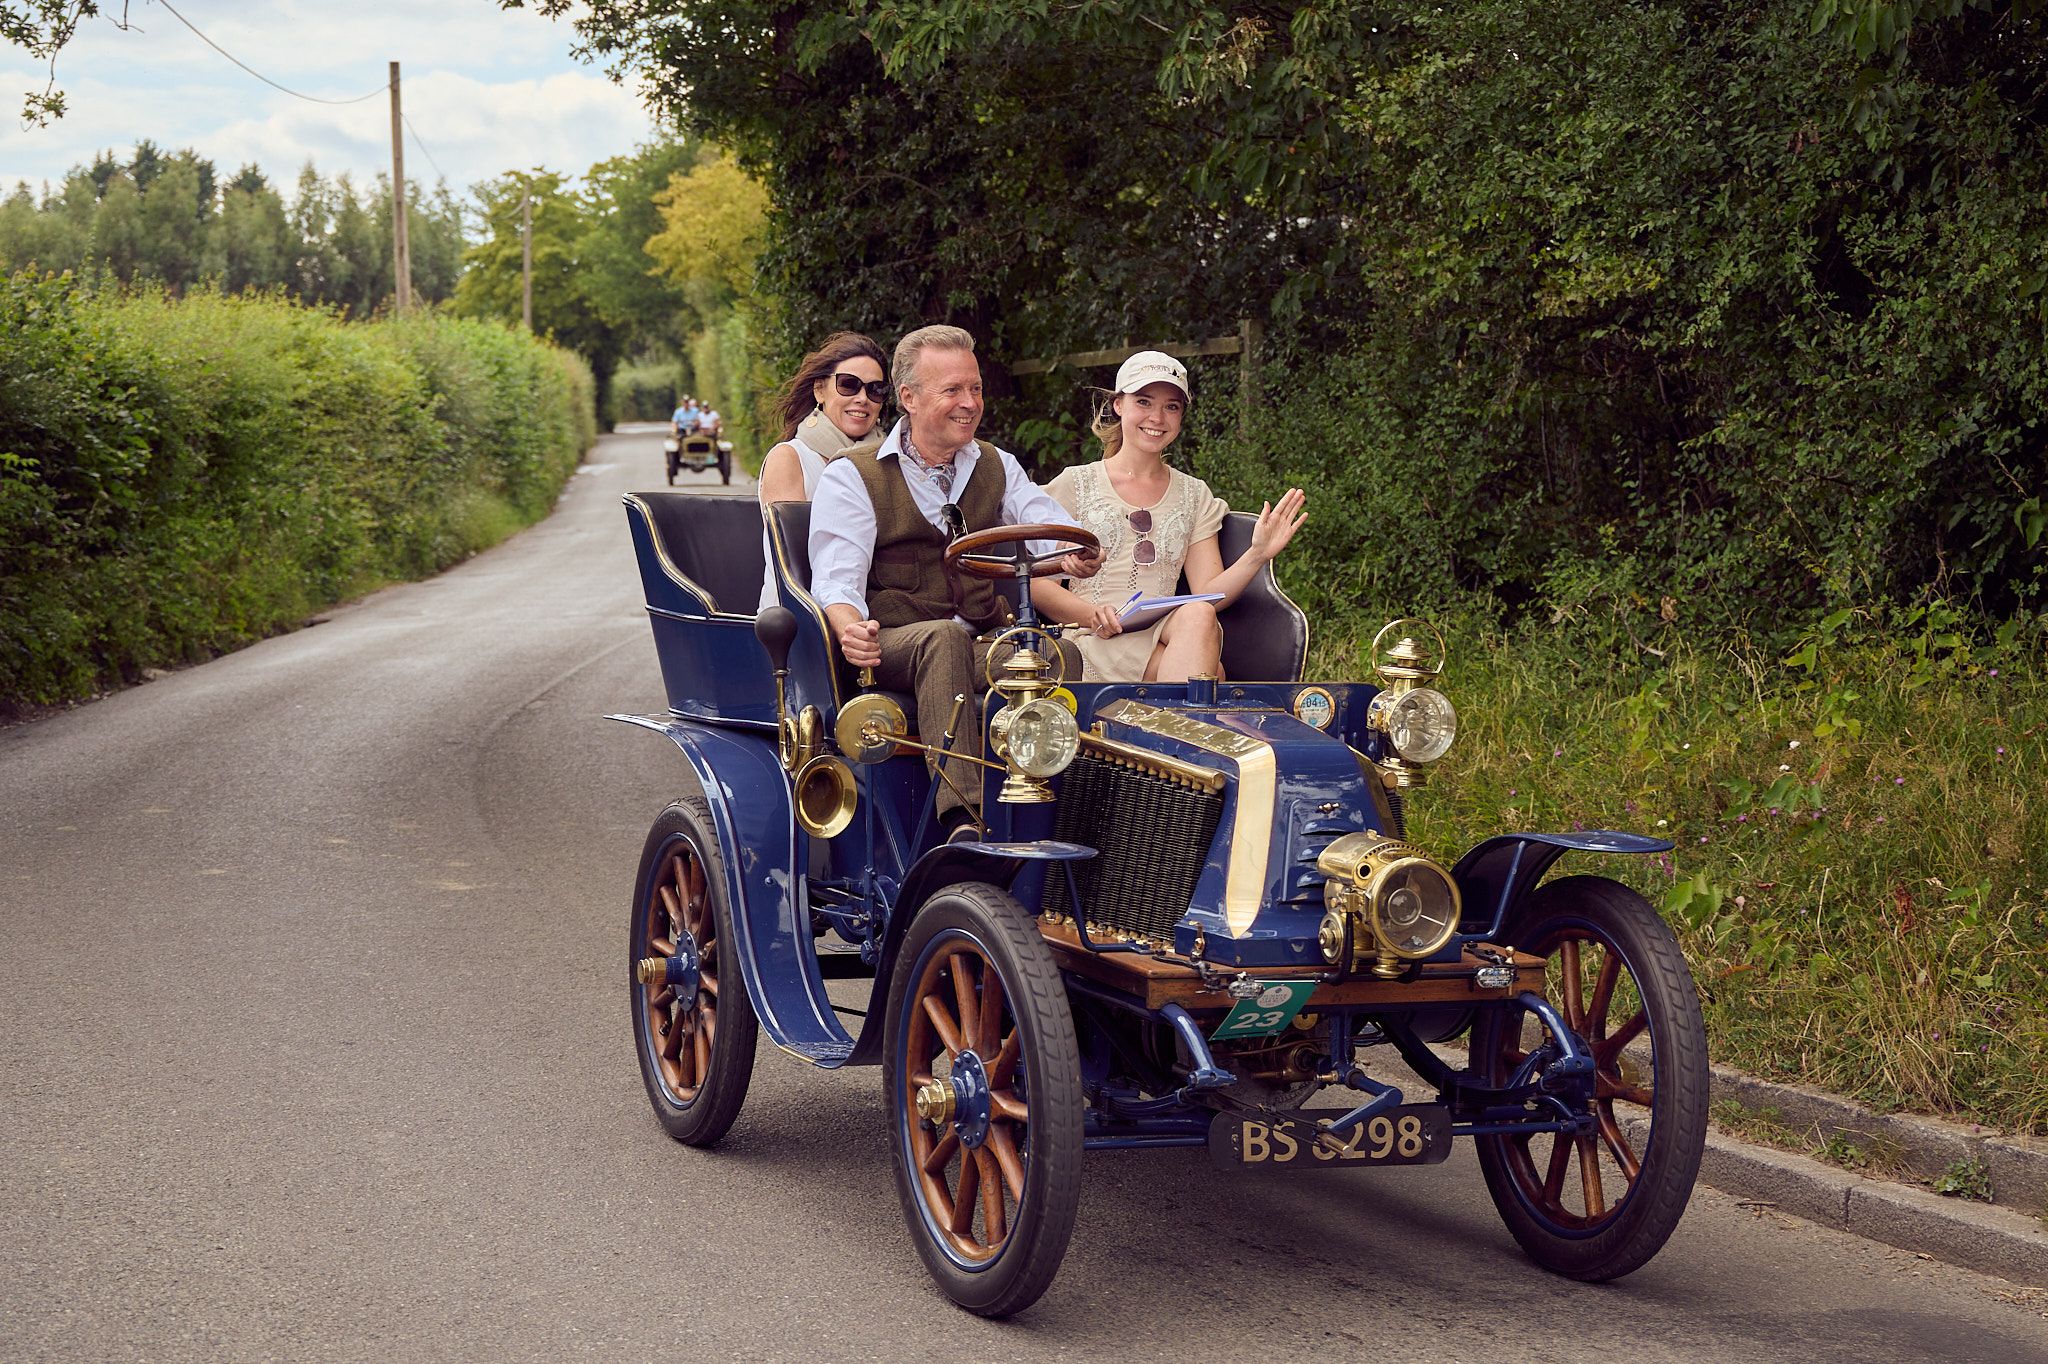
750,801
1497,874
995,863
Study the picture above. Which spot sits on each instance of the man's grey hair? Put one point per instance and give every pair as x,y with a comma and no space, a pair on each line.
904,371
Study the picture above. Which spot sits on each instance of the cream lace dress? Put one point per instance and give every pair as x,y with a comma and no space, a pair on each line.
1187,514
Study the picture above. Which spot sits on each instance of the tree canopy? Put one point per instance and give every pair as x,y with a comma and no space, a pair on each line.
168,218
41,28
1611,307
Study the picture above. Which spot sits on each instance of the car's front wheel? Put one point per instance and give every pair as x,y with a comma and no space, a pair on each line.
983,1081
1598,1206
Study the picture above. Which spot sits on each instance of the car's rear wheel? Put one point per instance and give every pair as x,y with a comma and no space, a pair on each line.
693,1025
983,1080
1596,1207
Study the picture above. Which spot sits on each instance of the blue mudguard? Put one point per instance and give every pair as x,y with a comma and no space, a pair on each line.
945,865
1497,873
749,795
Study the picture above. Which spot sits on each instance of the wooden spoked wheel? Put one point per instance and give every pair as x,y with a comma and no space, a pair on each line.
1599,1204
960,1011
983,1078
696,1045
682,1030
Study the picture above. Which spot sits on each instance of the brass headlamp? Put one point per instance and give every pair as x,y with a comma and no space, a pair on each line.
1386,899
1035,736
1419,722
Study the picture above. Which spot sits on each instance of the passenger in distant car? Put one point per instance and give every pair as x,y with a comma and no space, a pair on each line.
832,402
1154,523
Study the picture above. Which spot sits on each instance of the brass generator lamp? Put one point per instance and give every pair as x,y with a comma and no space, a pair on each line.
1419,722
1035,736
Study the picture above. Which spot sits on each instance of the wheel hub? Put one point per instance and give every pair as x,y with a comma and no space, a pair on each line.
961,1099
683,971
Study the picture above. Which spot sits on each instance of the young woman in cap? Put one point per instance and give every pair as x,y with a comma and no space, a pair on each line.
832,402
1155,523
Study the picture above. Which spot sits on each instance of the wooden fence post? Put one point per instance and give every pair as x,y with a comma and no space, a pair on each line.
1249,334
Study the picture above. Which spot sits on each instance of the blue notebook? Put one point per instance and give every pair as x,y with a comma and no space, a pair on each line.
1141,610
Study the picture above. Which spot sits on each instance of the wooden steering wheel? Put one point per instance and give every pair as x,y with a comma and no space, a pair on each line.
967,554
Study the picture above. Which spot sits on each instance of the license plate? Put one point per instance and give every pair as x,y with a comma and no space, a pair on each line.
1414,1134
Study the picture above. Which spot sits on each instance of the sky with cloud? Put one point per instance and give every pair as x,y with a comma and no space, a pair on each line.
486,90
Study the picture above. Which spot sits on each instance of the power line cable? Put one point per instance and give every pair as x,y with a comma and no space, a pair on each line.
313,99
423,147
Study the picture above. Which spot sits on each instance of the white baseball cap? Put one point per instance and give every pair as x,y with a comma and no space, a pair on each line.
1152,367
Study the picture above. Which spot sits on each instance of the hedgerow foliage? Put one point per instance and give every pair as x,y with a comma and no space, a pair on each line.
178,476
1732,312
1663,310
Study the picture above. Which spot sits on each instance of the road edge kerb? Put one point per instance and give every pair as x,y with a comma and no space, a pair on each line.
1977,1236
1921,1146
1988,1238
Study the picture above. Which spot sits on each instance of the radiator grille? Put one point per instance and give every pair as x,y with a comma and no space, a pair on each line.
1151,834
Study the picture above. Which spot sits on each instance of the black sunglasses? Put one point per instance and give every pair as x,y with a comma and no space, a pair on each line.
850,384
955,523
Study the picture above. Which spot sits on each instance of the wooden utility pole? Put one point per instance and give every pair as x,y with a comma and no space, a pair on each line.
526,258
401,243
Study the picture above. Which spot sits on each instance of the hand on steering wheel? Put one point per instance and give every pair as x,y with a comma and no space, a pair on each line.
969,553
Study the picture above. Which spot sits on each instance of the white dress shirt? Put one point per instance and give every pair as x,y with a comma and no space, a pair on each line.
843,519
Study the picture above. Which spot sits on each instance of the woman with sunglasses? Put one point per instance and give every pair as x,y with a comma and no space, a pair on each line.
832,402
1155,523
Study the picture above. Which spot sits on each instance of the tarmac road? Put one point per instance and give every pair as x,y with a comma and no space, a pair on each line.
315,1046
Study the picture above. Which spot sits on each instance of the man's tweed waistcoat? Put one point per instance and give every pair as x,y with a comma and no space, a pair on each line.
907,579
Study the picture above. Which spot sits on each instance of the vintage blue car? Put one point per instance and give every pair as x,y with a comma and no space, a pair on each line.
1194,909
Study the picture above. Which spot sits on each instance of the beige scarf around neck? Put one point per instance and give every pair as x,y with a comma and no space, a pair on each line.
818,432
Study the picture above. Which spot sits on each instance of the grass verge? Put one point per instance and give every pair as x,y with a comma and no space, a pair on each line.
1860,870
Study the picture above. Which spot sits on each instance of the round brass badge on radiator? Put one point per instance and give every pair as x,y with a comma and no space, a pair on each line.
1315,706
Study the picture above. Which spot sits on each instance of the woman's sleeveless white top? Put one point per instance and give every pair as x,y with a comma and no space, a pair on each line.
813,465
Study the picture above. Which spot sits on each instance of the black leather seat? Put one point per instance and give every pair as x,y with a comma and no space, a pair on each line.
793,538
1265,635
713,541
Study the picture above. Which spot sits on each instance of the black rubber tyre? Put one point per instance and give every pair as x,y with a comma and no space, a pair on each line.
696,1056
990,1210
725,466
1611,958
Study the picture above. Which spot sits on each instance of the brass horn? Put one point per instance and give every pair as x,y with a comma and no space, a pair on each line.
822,784
825,795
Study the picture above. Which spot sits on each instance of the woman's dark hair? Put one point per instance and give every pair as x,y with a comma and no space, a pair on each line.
795,399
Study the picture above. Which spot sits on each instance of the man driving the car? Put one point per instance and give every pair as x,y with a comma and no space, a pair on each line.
881,518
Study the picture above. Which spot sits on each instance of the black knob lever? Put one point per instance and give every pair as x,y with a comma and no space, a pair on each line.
776,629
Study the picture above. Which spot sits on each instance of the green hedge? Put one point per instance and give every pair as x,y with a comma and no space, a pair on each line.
179,477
